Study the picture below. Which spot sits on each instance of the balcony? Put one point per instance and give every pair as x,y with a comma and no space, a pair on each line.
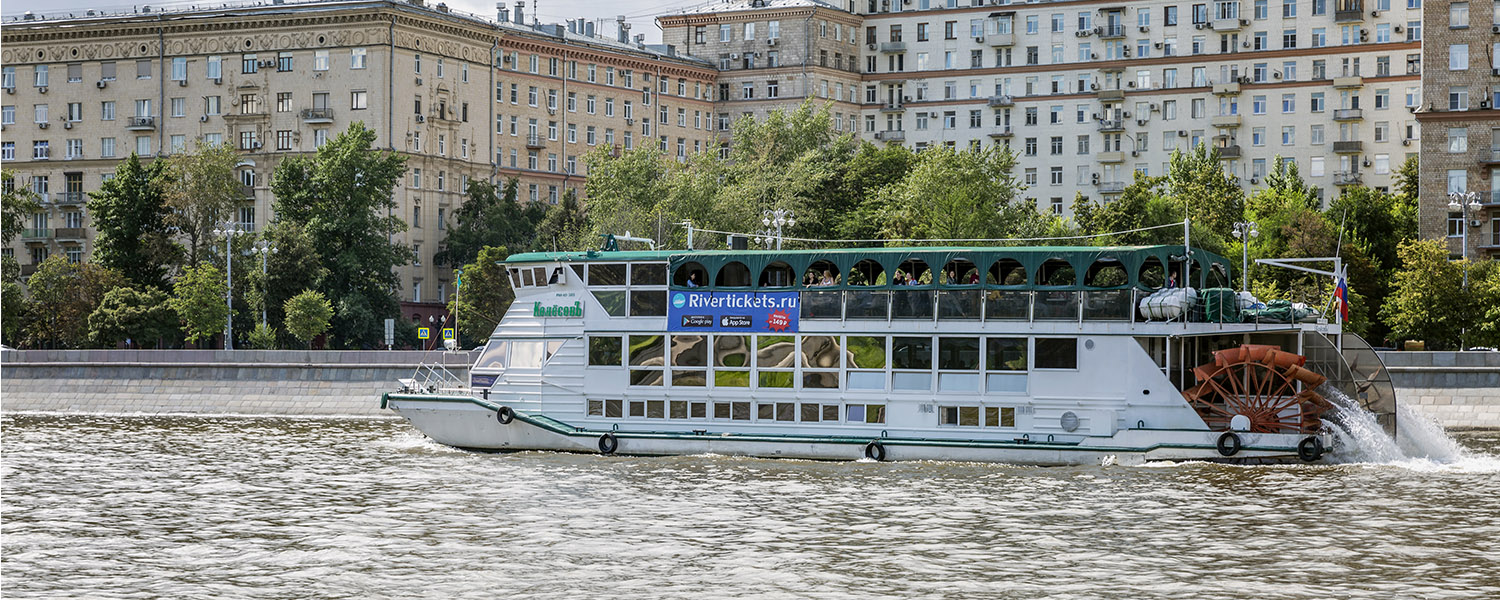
1227,25
1111,187
893,108
1111,157
1225,121
36,234
1002,133
1348,82
535,142
1342,178
141,124
1349,114
1111,125
891,135
1494,156
1000,39
28,270
892,47
1229,152
1114,95
69,234
1110,32
313,116
1227,89
1348,147
1002,101
1349,14
72,198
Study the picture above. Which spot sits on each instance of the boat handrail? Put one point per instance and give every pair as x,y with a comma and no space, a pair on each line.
432,378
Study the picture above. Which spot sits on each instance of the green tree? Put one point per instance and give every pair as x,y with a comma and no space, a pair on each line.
202,191
489,216
63,295
564,228
1409,178
143,316
852,211
307,316
484,297
1484,285
295,266
17,203
198,298
343,199
1196,181
952,194
263,337
129,213
1427,300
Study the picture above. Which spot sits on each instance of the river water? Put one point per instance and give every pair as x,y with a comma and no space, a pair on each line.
161,507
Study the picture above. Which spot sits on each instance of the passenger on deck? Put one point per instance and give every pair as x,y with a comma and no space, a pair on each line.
1172,280
827,278
692,280
899,279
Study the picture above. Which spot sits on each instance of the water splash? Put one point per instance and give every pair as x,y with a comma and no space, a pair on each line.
1421,443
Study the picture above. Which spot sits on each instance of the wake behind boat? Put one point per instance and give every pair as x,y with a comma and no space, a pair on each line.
1042,355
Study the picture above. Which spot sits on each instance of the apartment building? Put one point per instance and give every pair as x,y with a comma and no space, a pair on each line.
1088,92
1461,153
774,54
459,96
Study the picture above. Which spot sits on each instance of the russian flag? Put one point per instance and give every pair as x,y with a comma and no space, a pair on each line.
1342,293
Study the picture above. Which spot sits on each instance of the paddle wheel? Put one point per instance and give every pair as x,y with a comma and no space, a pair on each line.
1260,383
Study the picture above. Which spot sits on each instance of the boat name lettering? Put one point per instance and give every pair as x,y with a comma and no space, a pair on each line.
574,311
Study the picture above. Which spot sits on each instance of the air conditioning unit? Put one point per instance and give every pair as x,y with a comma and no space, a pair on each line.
67,124
1200,25
43,125
1484,105
1406,142
979,39
421,118
551,111
1494,28
1094,56
203,119
873,46
1364,34
1155,107
101,84
734,56
10,90
1245,44
419,81
1367,162
1398,29
182,83
906,98
1140,122
218,81
1145,29
1135,152
1126,51
1093,86
1475,223
1125,114
41,90
771,41
1275,74
1095,116
1254,180
1130,84
1244,22
1095,177
255,146
505,58
630,121
1245,79
1181,133
1375,13
1156,45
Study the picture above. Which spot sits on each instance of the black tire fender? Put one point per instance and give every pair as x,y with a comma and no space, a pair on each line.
1310,449
875,451
608,443
1229,444
505,415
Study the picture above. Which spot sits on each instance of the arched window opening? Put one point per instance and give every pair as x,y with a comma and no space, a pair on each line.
913,271
690,275
960,271
1106,272
867,272
1056,272
1007,271
1152,274
821,273
777,274
733,274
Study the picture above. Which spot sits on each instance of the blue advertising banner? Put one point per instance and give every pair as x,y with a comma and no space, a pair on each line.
735,312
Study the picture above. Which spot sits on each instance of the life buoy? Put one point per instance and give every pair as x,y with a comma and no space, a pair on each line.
875,451
608,443
505,415
1310,449
1229,444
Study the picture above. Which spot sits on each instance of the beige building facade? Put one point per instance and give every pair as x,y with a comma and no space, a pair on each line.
460,97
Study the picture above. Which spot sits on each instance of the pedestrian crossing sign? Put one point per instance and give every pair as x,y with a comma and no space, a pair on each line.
447,333
424,333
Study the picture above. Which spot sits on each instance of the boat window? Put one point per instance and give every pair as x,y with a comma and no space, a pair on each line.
866,352
867,272
999,416
821,273
605,351
677,409
689,351
1006,271
737,411
527,354
777,274
579,269
613,302
527,279
911,353
638,408
609,409
786,411
648,274
646,377
1057,353
1005,354
820,352
648,303
865,413
558,276
699,410
1152,274
540,275
1106,273
646,350
774,352
656,409
960,271
690,272
607,274
964,416
912,271
515,278
1056,271
1218,276
733,274
493,356
958,354
731,361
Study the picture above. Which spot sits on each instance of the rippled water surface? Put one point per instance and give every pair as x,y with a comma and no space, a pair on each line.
121,507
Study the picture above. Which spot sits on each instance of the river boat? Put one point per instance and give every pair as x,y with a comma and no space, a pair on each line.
1037,355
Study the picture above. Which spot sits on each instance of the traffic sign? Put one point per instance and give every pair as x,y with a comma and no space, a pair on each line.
447,333
424,333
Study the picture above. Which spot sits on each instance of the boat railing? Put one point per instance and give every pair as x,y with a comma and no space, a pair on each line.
1119,305
431,379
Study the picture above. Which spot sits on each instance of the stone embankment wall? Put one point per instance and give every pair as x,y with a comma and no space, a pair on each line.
253,382
1457,389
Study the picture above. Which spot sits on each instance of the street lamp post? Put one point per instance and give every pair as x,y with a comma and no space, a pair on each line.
775,218
1243,231
264,248
228,229
1464,203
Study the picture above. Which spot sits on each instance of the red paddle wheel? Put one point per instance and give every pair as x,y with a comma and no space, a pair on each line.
1259,382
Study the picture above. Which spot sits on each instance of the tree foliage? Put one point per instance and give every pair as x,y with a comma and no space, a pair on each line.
198,298
63,295
202,191
484,297
307,315
953,194
343,199
1427,302
295,266
17,203
489,216
143,316
129,212
564,227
